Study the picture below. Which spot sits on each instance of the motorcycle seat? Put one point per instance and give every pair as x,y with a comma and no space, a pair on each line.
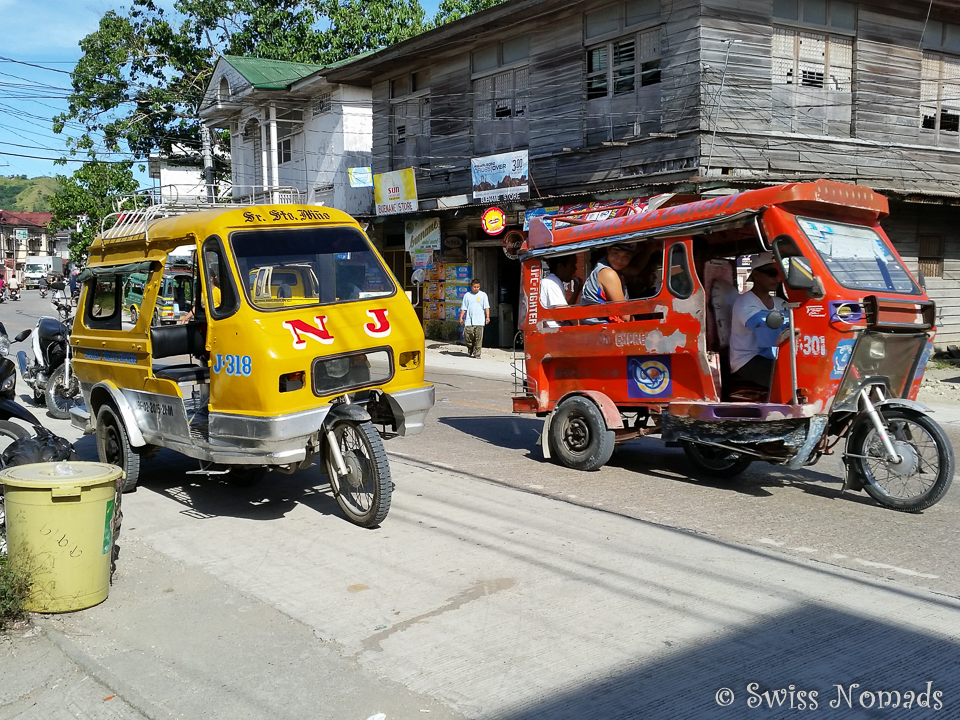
183,373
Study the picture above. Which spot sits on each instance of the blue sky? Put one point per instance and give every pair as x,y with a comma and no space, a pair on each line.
46,33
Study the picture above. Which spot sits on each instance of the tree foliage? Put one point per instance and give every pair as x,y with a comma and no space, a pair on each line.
88,195
141,78
142,75
450,10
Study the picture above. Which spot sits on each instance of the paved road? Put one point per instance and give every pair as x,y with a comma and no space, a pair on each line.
800,513
493,591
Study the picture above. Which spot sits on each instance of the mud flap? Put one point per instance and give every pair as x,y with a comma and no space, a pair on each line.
815,429
542,440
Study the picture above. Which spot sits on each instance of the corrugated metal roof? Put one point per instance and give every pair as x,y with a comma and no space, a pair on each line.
266,74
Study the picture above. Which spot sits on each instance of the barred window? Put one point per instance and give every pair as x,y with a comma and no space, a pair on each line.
323,103
812,60
940,93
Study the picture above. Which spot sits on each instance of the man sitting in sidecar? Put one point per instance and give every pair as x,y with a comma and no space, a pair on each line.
753,343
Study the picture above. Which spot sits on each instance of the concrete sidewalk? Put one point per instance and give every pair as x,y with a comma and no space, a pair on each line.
473,600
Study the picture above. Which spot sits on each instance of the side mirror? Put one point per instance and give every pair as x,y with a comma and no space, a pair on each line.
922,280
774,320
418,276
799,275
22,335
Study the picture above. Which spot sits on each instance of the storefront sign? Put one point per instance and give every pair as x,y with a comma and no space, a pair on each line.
422,258
493,221
360,177
422,234
395,192
500,177
602,211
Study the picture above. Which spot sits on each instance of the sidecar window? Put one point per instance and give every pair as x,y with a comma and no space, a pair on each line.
679,280
115,300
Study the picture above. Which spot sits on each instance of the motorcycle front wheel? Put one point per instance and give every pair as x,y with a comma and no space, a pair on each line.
924,472
61,396
364,492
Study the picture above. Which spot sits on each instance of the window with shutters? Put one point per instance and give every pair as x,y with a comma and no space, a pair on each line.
930,255
622,65
410,120
940,97
812,82
501,95
622,71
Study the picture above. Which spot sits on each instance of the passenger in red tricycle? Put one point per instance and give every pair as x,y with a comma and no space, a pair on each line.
828,342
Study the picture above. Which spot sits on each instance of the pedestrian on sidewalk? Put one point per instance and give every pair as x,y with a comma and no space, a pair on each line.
474,315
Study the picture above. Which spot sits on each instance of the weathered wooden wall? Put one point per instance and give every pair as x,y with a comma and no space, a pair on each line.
906,223
561,160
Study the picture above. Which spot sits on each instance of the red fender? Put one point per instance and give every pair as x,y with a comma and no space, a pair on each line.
607,407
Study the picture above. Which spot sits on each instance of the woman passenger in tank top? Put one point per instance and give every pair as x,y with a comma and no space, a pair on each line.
605,284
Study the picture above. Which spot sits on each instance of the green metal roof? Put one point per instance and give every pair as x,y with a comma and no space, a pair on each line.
271,74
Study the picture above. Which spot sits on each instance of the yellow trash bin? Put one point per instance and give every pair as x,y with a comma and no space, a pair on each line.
60,531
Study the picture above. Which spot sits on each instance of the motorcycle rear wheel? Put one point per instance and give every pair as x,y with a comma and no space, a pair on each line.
716,462
61,398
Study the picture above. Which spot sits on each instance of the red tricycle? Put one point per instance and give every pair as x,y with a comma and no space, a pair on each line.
853,332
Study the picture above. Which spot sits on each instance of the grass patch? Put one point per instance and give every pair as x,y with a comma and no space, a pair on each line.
942,364
14,584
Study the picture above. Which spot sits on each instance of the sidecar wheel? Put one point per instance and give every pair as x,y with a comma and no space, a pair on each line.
925,473
578,435
134,314
246,476
113,446
716,462
364,492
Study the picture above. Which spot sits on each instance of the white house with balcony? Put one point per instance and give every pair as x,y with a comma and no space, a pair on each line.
293,135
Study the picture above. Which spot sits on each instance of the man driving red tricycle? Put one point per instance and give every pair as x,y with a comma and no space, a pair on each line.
829,342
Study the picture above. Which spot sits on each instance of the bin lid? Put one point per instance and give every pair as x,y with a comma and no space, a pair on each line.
60,474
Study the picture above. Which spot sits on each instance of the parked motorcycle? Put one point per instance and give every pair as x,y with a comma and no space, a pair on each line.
49,373
9,407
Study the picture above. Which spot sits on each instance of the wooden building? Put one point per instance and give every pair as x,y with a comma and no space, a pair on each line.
639,97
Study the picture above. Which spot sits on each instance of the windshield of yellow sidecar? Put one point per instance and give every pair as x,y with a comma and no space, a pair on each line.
303,267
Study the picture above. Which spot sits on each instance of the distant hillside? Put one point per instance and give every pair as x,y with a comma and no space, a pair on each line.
20,194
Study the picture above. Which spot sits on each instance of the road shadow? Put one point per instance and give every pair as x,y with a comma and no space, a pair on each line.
812,649
514,432
207,496
653,458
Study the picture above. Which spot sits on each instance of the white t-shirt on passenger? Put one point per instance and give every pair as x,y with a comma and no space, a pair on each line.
750,335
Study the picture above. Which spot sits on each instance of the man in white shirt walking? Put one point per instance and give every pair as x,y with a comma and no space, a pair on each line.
474,315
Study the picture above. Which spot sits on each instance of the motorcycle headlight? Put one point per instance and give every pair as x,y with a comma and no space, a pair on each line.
9,384
878,351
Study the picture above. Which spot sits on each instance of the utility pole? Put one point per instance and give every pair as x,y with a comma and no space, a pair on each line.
208,173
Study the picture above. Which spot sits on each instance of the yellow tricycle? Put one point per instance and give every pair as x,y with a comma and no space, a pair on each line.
298,342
